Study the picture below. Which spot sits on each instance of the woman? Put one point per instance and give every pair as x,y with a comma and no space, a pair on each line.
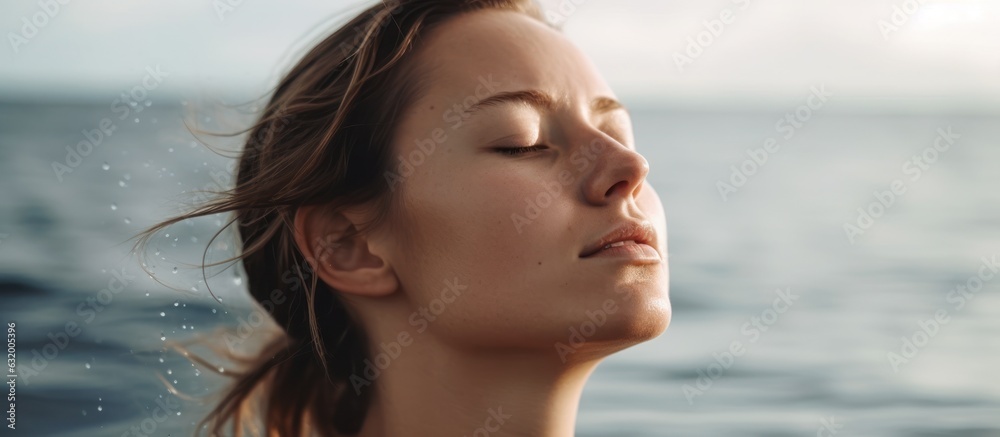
443,208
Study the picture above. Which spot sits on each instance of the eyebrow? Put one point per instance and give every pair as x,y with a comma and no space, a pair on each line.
542,100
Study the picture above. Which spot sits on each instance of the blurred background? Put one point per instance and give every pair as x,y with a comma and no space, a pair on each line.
828,169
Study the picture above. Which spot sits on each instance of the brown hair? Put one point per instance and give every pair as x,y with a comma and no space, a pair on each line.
324,138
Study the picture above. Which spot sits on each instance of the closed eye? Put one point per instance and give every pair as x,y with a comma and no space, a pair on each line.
513,151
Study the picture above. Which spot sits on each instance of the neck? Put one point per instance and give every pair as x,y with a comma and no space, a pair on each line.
432,389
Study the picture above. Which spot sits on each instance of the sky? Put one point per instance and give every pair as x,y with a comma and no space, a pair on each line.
929,54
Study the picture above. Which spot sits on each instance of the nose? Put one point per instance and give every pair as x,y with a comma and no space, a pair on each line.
618,172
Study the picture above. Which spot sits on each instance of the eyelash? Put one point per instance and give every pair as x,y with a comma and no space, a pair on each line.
514,151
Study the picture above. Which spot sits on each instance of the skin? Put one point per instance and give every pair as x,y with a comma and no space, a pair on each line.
492,351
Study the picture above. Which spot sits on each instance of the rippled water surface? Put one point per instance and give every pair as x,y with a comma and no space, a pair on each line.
822,362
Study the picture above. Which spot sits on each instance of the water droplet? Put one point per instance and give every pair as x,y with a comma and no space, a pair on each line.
171,150
114,206
176,303
128,220
184,327
222,370
197,372
238,280
149,103
121,183
213,311
161,359
163,338
106,166
147,293
170,372
87,365
163,314
178,413
100,408
175,271
127,177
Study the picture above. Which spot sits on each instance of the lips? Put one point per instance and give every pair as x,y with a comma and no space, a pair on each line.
628,233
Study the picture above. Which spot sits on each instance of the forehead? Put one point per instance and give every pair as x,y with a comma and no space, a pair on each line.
508,49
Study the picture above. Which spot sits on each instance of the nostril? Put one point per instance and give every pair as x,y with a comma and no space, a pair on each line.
614,187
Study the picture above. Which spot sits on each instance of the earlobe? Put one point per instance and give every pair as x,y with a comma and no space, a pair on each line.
346,264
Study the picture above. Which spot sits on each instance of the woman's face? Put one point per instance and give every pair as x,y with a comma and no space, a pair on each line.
492,243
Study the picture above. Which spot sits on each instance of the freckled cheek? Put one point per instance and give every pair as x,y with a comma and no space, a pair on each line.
465,216
499,207
493,215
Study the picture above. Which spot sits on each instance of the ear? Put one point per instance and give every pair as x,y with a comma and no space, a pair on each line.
349,266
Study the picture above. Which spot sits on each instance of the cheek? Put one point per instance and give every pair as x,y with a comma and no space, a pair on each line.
519,220
478,227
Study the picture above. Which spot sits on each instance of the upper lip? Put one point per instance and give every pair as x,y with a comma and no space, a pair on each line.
639,232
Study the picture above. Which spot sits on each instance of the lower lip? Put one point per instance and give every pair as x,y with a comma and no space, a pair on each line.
628,251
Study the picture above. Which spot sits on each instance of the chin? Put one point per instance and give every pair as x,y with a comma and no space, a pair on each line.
619,322
644,311
620,331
